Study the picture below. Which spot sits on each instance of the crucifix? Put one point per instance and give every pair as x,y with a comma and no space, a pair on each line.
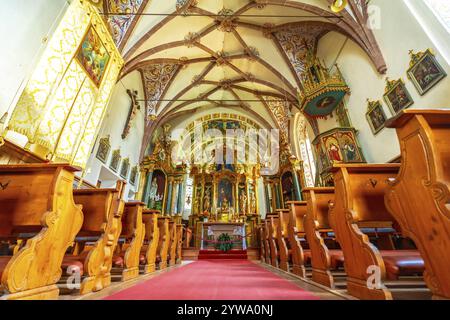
132,112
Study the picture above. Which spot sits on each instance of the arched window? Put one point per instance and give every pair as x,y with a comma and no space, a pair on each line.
304,149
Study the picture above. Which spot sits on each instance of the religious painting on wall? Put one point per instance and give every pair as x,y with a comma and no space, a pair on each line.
375,116
225,200
93,56
425,71
103,149
349,147
397,96
157,190
332,148
133,176
115,161
125,168
287,185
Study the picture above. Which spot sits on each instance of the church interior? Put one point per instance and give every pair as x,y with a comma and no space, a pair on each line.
225,150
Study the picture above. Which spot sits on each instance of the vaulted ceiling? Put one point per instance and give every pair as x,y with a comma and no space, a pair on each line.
245,54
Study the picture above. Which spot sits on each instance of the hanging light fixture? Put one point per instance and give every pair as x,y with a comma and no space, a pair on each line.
339,5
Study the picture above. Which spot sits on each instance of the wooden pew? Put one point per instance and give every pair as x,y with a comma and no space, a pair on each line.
419,197
283,239
36,199
296,232
150,219
262,243
164,242
268,257
273,221
187,238
133,232
180,233
317,225
359,204
102,226
172,257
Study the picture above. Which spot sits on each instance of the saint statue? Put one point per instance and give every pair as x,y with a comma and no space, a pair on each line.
153,193
252,203
243,203
207,201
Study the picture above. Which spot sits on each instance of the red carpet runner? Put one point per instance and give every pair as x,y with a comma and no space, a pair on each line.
216,254
216,280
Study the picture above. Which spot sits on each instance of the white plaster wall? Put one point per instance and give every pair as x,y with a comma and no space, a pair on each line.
113,125
24,27
399,32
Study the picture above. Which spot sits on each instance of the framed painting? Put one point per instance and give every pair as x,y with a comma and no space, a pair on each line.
103,149
375,116
133,176
115,161
93,56
425,71
125,169
397,96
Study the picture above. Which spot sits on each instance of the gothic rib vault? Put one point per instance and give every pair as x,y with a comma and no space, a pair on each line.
194,55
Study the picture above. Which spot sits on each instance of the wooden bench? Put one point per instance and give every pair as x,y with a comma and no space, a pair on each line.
36,199
164,242
187,238
283,239
102,226
133,233
273,221
151,242
317,225
419,197
179,253
296,232
268,257
172,257
262,243
359,204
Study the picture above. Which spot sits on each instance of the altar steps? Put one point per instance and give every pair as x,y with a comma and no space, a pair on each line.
216,254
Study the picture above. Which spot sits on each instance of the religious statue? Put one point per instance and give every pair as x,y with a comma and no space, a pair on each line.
153,193
252,203
225,205
196,206
207,201
243,203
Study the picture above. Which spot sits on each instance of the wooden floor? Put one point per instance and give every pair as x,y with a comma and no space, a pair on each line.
321,293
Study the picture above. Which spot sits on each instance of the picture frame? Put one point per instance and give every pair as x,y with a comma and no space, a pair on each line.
103,149
125,168
133,175
397,96
115,160
376,116
424,71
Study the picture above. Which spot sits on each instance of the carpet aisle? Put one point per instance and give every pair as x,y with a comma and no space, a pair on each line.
216,280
